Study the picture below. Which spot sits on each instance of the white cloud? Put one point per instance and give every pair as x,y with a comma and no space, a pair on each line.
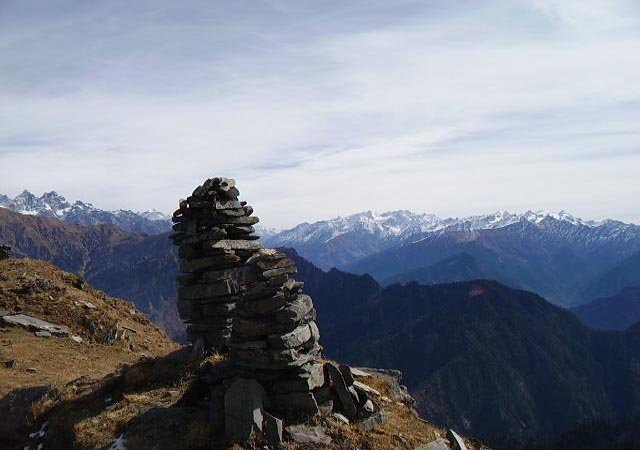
324,110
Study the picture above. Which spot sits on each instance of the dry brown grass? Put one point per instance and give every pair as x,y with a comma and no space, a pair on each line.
41,290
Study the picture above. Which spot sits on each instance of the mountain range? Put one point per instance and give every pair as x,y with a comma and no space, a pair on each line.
54,206
563,258
139,267
492,361
502,364
568,260
342,241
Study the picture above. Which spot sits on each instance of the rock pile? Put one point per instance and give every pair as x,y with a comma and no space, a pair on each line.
5,252
238,296
275,337
214,235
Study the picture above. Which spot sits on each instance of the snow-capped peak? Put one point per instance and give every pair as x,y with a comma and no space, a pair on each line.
54,206
399,225
563,216
154,214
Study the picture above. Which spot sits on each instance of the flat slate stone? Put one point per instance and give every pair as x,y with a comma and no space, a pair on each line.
261,307
200,264
438,444
363,387
341,389
198,291
292,339
243,404
373,421
359,373
307,434
273,429
295,403
34,324
456,441
296,310
233,244
309,377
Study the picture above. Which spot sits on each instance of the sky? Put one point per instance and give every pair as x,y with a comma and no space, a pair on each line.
319,109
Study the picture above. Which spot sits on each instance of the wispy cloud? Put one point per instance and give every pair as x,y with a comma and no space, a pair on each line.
325,108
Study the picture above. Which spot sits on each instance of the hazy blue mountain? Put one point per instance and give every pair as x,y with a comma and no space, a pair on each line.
490,360
553,257
617,312
624,274
459,267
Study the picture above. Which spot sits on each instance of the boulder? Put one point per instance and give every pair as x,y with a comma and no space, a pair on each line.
341,389
295,311
295,404
31,323
292,339
307,434
373,421
243,404
457,443
438,444
307,378
364,388
272,429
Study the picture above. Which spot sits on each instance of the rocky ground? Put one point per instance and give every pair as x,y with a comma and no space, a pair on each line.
81,370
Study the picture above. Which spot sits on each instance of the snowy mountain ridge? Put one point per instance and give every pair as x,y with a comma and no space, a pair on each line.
54,206
341,241
403,223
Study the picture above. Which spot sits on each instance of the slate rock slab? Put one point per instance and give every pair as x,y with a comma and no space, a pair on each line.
373,421
341,389
438,444
457,443
307,434
243,404
31,323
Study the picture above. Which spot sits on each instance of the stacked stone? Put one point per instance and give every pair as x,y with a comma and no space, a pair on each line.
214,235
275,375
275,336
5,252
238,296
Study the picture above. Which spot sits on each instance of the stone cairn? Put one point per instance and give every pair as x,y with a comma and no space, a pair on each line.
238,296
214,235
5,252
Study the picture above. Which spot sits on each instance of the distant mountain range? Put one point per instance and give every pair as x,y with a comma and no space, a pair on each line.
479,356
54,206
342,241
568,260
564,258
138,267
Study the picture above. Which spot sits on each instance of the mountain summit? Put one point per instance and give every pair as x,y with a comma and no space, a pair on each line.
54,206
341,241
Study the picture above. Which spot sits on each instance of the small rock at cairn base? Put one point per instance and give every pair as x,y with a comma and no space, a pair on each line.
243,404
